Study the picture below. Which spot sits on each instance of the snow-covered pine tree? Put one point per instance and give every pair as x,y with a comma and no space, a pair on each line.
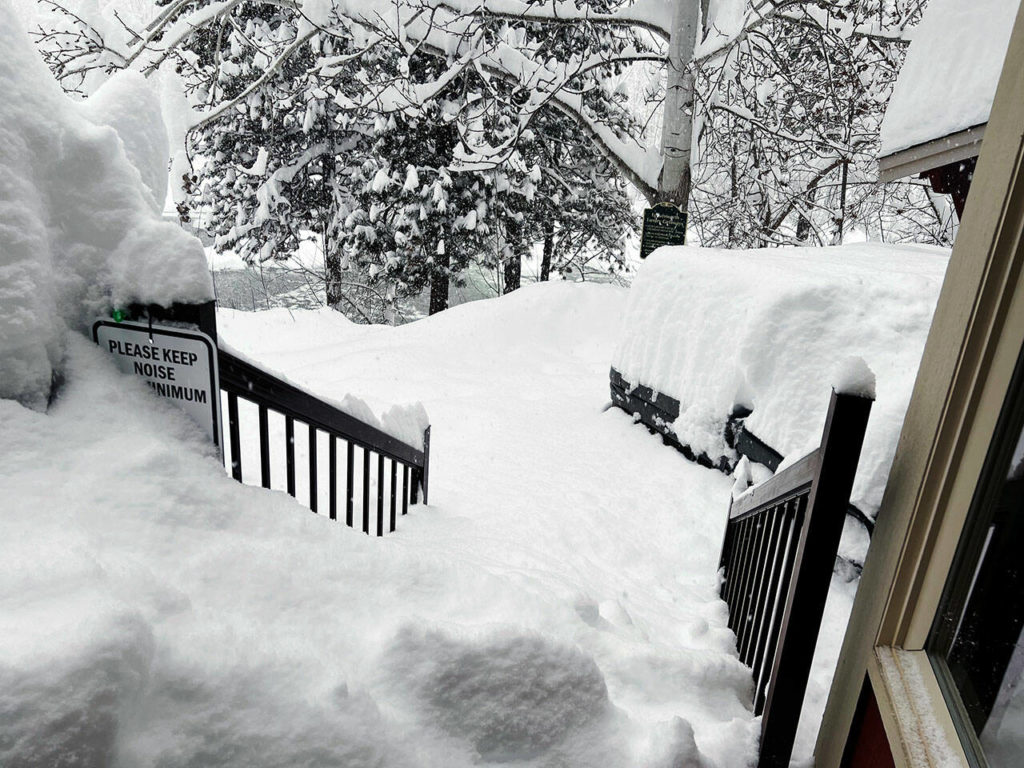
413,223
276,167
579,210
291,96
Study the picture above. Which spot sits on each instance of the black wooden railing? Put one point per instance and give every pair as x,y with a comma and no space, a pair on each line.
361,443
777,559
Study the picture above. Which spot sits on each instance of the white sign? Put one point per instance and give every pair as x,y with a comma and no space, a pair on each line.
177,363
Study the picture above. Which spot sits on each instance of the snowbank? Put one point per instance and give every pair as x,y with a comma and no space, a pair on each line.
403,422
772,330
949,78
557,605
79,224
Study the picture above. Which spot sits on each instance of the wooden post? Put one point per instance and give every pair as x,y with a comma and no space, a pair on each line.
426,462
841,444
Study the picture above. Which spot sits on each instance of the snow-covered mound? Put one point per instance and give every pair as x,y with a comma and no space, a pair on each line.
403,422
772,330
555,605
79,213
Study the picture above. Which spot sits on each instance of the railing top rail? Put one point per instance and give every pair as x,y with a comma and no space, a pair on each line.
796,477
253,383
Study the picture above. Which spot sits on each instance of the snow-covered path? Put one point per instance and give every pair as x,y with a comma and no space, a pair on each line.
555,605
527,473
532,480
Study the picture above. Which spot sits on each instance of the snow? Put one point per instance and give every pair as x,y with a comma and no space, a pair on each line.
854,377
949,78
79,224
381,181
769,329
308,257
556,604
128,103
403,422
725,19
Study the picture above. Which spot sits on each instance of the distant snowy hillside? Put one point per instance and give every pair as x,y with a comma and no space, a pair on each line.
80,229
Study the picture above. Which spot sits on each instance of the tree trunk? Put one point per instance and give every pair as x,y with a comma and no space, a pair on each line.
803,222
513,274
439,283
549,250
677,128
332,273
837,238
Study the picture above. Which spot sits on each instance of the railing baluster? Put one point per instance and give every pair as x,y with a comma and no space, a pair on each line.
334,477
414,492
795,520
350,491
734,560
743,563
264,448
737,569
394,491
380,494
405,489
732,568
743,609
312,468
763,604
366,491
767,518
289,453
236,443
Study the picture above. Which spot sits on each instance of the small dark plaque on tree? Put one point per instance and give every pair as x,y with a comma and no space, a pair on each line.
664,224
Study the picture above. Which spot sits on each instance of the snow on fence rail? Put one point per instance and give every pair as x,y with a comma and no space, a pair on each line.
242,380
777,558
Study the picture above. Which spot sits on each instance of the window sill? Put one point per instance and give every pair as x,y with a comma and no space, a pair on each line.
914,711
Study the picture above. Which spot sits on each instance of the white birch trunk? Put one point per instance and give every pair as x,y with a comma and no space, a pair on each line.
677,130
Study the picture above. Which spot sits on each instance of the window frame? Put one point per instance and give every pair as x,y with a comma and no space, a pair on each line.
969,360
968,559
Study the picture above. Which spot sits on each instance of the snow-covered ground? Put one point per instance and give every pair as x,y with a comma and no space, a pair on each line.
555,605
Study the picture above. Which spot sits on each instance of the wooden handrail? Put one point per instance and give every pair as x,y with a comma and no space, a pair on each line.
780,546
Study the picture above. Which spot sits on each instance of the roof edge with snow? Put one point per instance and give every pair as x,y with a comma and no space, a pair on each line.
929,155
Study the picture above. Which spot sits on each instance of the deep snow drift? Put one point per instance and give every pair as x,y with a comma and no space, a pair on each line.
556,605
79,213
773,330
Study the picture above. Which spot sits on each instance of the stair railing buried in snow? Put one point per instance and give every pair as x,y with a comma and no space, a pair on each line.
362,444
242,380
777,558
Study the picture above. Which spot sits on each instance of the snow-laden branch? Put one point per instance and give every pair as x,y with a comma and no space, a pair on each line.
649,15
808,15
452,31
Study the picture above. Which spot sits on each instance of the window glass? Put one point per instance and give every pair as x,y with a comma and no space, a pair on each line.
976,643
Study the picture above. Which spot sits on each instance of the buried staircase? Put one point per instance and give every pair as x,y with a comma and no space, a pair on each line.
372,477
780,548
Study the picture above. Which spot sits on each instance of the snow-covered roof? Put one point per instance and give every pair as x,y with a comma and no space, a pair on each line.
949,79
